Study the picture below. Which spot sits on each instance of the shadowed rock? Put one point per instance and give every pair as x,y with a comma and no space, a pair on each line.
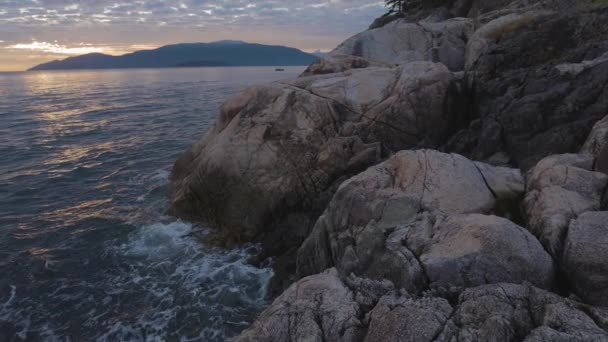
585,259
598,138
529,104
597,145
560,188
508,312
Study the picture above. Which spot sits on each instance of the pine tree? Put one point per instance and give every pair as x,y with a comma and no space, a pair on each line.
396,5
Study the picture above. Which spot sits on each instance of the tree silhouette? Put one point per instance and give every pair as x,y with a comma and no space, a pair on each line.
396,5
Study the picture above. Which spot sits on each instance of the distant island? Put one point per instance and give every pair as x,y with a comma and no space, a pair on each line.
221,53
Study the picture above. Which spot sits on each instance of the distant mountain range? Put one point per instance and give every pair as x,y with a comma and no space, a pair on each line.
222,53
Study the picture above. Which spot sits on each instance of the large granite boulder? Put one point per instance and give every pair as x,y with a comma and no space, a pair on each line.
471,250
585,259
535,95
315,309
560,188
370,205
401,41
400,220
276,153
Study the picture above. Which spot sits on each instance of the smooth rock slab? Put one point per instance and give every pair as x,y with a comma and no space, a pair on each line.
585,260
471,250
401,42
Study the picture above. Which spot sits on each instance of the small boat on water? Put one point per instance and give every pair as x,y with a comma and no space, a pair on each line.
279,69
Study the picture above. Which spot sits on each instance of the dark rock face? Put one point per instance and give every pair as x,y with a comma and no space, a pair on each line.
605,200
507,312
585,259
464,8
560,188
601,163
530,101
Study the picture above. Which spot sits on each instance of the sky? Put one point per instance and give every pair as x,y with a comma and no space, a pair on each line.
37,31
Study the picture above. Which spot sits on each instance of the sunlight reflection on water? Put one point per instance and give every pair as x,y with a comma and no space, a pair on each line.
86,251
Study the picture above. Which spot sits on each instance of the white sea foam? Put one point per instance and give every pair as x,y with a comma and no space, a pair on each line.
189,291
158,241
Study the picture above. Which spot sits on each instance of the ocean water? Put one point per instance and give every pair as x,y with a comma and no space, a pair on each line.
86,250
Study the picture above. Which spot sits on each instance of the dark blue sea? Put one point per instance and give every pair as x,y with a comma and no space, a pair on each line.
87,252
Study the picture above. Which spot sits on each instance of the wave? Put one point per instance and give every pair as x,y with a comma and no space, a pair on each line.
191,292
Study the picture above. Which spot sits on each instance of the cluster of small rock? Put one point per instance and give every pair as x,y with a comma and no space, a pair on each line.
426,181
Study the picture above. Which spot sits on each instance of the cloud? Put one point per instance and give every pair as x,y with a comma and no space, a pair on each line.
57,49
304,14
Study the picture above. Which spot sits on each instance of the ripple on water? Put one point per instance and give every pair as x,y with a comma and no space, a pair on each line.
86,253
185,285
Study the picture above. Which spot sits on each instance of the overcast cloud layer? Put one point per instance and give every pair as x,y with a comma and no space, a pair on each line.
34,31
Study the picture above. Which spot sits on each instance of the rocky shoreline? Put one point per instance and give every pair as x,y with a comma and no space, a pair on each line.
442,178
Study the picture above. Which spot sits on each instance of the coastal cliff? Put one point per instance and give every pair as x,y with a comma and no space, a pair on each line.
441,176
